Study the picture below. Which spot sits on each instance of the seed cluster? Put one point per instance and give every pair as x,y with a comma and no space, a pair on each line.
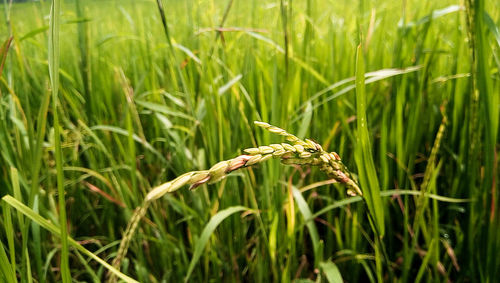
295,152
306,152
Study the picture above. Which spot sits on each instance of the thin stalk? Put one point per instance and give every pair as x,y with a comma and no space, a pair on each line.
284,22
220,33
172,51
54,82
380,243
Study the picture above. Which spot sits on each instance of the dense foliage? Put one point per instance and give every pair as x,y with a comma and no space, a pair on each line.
101,101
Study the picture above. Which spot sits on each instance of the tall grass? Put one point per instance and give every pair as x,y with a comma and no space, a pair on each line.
132,94
53,60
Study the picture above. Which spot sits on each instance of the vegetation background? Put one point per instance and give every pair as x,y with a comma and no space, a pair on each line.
100,101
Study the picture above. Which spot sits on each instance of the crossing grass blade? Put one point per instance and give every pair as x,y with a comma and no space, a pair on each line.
21,208
331,271
207,233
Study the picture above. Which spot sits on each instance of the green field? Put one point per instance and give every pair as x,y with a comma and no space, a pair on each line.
102,101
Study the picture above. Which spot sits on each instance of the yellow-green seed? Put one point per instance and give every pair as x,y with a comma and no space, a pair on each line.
254,159
279,152
324,158
311,144
252,151
277,131
276,146
158,191
305,154
218,168
299,148
261,124
198,176
179,182
266,157
289,147
265,149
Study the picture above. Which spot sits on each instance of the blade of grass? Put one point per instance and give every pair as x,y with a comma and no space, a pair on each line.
489,116
55,14
331,271
363,154
311,226
5,266
425,262
3,54
57,232
8,268
387,193
207,232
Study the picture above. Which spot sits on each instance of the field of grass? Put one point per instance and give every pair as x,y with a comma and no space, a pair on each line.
102,101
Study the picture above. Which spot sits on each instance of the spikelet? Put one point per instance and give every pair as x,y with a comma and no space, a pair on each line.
296,152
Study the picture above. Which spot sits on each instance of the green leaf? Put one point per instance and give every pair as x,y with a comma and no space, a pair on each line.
306,121
53,61
388,193
123,132
207,232
56,231
311,226
163,109
34,32
363,154
425,261
433,15
331,271
5,266
229,84
4,49
370,77
9,232
492,27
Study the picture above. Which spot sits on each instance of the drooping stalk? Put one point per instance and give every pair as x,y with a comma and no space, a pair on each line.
296,152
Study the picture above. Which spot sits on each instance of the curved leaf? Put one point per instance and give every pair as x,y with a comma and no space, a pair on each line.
207,232
56,231
331,271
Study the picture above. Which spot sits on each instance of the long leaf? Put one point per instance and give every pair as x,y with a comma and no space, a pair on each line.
53,49
207,232
28,212
311,226
388,193
363,155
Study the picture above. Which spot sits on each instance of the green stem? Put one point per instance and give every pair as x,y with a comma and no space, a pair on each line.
379,241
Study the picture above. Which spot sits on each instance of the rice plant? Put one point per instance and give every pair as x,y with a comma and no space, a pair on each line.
105,105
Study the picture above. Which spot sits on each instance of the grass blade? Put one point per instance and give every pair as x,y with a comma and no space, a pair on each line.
331,271
8,268
3,53
311,226
364,157
54,82
387,193
28,212
207,232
